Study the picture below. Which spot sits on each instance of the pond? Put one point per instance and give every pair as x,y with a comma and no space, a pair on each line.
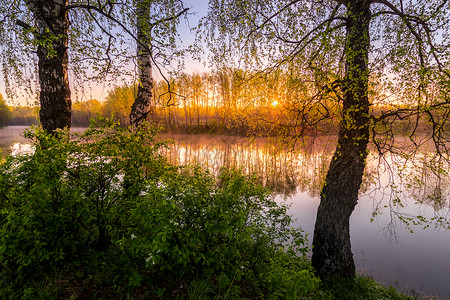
416,263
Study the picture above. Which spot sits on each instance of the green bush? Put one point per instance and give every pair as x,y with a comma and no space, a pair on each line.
103,215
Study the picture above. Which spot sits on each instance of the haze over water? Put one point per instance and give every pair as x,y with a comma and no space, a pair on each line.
383,248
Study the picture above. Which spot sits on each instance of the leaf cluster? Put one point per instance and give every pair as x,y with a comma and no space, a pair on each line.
102,213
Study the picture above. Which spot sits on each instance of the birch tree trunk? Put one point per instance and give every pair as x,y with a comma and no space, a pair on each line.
143,103
53,25
332,254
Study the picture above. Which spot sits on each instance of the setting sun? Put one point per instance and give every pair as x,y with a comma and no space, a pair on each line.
173,160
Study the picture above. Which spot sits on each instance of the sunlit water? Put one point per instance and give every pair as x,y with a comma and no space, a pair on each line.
383,248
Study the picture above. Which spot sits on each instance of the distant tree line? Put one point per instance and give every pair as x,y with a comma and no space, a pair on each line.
225,101
17,115
5,113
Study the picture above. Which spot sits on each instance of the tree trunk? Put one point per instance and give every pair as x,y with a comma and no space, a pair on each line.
186,120
143,103
53,22
332,253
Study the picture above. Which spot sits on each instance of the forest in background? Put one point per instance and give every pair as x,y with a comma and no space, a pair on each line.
361,69
225,102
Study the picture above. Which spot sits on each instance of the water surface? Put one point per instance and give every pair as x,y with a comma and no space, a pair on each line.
416,263
383,248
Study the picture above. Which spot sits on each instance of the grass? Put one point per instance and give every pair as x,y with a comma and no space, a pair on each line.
74,284
72,228
360,287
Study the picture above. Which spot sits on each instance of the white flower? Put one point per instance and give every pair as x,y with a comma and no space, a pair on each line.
19,149
151,259
174,223
133,236
160,185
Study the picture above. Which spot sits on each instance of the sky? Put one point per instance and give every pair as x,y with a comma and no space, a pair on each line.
198,9
99,91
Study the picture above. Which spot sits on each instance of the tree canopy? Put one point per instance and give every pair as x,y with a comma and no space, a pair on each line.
365,64
100,37
358,54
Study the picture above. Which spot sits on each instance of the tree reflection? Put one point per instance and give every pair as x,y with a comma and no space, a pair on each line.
427,182
398,184
284,171
412,188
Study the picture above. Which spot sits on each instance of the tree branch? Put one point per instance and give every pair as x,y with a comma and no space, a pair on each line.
410,18
169,18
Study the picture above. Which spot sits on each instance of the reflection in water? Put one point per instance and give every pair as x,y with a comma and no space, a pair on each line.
284,172
427,181
402,188
413,189
421,182
10,135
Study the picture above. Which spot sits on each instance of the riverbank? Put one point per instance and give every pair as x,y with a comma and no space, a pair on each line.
407,264
110,218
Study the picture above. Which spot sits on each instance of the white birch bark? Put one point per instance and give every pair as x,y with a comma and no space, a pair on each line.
143,105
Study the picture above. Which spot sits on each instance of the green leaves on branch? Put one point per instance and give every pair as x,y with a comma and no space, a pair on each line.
105,205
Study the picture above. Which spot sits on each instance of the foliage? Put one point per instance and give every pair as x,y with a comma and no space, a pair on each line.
118,104
103,214
5,113
84,111
101,41
24,115
360,287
